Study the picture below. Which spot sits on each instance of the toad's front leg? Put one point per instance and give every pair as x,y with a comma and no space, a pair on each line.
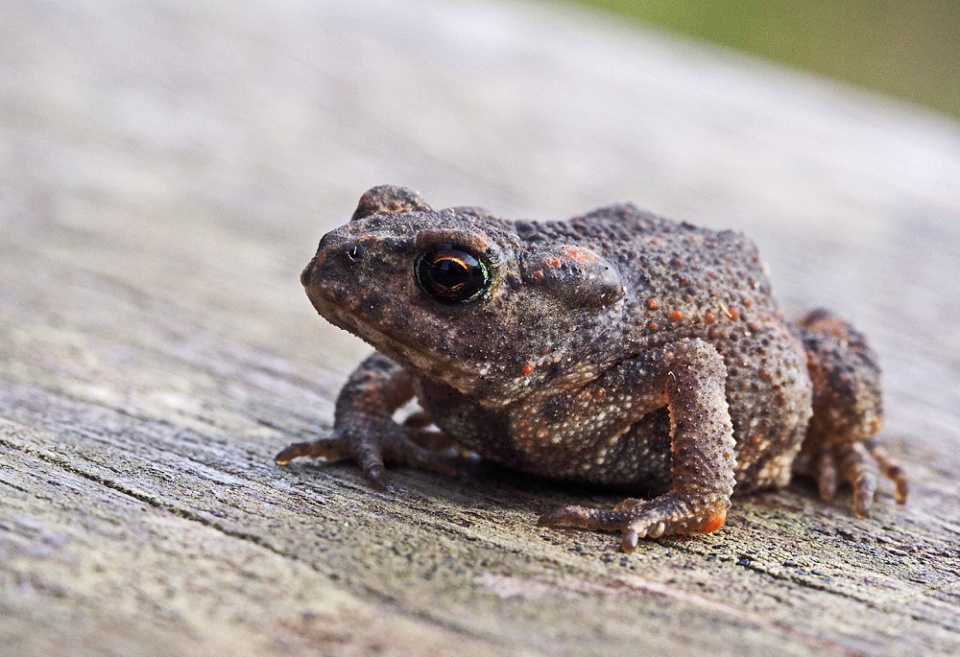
364,430
688,378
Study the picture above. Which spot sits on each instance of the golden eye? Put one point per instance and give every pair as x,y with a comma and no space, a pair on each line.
451,275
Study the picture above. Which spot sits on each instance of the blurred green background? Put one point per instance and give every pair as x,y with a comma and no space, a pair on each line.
908,48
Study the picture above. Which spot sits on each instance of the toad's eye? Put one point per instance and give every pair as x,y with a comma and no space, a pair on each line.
451,275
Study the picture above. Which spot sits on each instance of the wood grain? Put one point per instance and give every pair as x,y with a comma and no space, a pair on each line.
167,168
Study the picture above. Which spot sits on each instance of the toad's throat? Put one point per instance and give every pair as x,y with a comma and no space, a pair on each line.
445,370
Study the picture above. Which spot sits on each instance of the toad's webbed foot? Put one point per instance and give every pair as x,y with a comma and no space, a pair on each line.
847,412
859,465
374,443
670,513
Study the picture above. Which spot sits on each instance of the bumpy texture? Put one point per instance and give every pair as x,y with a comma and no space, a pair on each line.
616,348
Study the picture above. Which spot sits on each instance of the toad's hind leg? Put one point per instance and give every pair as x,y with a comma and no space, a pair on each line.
847,411
687,378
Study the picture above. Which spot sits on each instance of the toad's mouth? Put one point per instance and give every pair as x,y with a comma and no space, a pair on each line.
430,365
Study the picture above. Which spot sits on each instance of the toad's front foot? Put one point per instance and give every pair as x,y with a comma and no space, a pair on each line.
668,514
373,443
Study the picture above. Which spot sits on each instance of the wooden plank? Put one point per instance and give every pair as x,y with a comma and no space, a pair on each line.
166,170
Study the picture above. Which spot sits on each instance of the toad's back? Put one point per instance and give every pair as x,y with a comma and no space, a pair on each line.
688,282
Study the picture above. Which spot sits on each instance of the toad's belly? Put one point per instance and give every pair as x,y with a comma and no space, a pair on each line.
636,457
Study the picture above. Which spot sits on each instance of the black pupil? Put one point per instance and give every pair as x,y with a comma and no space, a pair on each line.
451,275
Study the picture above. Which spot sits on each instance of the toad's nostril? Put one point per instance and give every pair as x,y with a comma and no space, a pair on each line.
353,251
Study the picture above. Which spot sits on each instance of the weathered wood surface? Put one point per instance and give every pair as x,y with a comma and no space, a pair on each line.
167,168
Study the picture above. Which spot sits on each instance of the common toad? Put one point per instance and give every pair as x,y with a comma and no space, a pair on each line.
617,348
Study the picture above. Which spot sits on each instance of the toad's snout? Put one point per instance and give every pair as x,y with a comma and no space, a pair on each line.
334,252
306,276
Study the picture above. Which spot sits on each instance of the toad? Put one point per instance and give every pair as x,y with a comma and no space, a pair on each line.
618,348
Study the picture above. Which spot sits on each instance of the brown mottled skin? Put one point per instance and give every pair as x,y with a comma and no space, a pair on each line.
616,348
